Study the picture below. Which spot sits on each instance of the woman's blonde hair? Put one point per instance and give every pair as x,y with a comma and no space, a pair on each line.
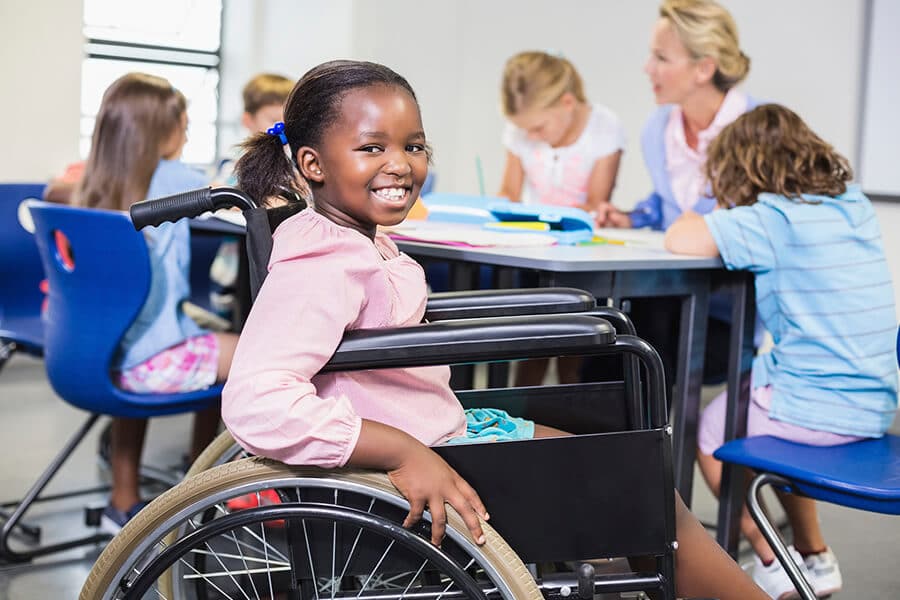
138,114
707,29
771,149
536,80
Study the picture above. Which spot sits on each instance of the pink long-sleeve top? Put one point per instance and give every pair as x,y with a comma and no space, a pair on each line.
324,280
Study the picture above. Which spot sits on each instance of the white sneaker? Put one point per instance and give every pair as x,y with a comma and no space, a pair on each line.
824,573
774,579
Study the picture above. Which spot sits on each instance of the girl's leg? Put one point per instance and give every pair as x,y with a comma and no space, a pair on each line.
804,520
227,343
569,369
206,428
531,372
126,445
703,568
206,422
711,468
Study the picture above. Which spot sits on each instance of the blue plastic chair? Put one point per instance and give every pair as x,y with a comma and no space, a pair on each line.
21,273
90,307
863,475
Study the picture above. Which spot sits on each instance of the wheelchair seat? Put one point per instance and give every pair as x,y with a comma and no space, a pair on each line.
93,300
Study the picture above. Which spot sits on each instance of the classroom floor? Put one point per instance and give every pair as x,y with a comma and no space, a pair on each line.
35,424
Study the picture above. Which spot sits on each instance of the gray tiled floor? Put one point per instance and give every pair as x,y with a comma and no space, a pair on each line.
35,423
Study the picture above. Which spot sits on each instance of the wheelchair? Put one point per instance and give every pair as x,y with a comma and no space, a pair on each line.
605,492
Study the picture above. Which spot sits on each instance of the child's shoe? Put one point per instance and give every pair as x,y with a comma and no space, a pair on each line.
113,520
774,579
824,573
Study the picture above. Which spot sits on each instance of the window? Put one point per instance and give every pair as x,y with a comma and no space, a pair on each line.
175,39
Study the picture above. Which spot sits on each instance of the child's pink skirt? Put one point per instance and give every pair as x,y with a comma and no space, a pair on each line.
191,365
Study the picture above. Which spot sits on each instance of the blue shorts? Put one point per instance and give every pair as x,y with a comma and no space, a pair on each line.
493,425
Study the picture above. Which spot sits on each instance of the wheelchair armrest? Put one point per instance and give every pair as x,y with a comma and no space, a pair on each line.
504,303
471,340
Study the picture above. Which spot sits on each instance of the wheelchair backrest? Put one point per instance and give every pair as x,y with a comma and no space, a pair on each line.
261,223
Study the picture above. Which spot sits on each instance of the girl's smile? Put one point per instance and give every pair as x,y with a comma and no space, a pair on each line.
374,162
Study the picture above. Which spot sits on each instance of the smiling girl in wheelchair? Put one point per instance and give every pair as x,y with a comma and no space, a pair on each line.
353,133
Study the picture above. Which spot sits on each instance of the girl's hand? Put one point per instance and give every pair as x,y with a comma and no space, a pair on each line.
607,215
425,479
421,476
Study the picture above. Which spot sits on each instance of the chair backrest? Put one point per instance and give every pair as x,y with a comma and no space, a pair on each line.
91,306
21,271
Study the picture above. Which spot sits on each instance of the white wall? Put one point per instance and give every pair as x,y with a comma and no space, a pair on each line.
41,47
880,152
277,36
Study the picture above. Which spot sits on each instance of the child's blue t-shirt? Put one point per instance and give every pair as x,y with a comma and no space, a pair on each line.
162,323
824,292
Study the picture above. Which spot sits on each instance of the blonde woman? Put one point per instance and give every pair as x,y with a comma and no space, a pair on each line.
694,67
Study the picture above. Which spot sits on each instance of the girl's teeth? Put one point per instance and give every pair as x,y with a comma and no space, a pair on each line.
391,193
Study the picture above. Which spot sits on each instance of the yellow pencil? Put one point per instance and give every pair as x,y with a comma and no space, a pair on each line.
529,225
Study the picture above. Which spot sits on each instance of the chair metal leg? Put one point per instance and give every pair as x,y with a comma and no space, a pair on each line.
754,505
10,555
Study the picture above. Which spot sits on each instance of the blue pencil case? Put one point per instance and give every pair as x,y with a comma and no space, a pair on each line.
568,225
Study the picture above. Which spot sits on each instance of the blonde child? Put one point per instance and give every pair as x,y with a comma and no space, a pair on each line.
354,133
560,149
142,120
823,290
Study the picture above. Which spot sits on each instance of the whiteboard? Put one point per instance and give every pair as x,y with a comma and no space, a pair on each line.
879,160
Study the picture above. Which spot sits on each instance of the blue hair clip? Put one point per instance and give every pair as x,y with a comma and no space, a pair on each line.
278,129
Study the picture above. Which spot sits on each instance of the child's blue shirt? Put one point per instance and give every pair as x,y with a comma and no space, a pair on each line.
162,323
660,209
824,292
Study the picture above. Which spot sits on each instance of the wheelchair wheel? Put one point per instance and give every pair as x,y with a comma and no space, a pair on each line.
330,534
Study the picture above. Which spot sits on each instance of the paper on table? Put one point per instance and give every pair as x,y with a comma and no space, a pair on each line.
644,238
462,235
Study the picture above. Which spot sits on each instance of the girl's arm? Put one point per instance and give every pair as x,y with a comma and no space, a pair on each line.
602,180
690,234
423,477
513,178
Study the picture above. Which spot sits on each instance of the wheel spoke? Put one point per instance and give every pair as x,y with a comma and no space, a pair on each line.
414,577
375,569
252,534
262,527
204,577
312,569
334,584
244,560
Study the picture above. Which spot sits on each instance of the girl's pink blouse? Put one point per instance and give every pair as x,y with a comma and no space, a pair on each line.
324,280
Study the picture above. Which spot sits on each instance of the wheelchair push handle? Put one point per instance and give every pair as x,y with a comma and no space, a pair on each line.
192,203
